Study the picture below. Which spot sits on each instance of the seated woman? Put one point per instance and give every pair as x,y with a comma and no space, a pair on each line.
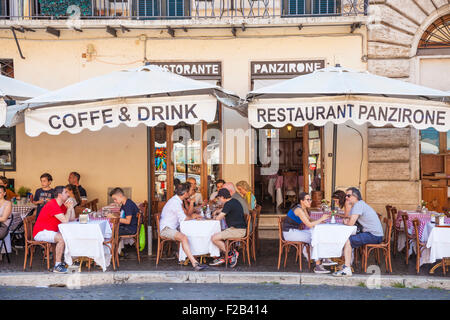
340,199
298,216
74,196
245,191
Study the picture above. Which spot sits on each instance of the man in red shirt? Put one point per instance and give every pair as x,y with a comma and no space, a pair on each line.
46,227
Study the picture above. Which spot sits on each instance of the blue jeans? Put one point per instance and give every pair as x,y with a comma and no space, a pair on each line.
363,238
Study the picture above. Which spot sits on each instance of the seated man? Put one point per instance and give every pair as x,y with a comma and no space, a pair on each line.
128,212
233,212
372,230
46,226
235,195
219,185
171,217
74,178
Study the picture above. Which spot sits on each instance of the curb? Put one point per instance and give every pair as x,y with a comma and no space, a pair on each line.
78,280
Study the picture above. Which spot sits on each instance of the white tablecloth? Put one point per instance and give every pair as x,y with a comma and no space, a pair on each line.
86,240
327,240
199,233
438,245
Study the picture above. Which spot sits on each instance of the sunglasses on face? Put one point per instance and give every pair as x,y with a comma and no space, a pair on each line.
348,195
308,199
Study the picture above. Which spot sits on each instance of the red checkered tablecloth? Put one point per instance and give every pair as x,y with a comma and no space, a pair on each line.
423,218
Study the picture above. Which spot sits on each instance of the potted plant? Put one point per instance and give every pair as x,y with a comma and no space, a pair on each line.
23,192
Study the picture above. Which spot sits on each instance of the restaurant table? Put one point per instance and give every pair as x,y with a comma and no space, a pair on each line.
424,219
18,213
328,240
199,233
438,245
86,240
425,229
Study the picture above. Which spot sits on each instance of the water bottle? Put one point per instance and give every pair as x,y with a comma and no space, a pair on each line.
208,212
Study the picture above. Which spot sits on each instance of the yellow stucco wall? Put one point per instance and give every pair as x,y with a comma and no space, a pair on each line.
117,157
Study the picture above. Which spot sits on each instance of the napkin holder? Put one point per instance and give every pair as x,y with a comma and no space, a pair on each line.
440,220
83,218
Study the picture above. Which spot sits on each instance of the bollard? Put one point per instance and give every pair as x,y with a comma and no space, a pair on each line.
150,240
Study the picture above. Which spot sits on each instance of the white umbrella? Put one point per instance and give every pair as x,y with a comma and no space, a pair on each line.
18,90
148,94
337,95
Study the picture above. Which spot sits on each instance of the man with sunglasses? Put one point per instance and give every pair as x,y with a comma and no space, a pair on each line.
372,230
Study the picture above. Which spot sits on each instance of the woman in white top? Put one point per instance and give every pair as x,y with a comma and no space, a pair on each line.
5,213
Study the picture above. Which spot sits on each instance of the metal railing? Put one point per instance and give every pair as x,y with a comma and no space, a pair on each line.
177,9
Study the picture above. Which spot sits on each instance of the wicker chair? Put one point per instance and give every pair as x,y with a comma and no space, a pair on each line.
395,230
244,242
408,237
385,246
253,237
113,242
284,246
31,244
135,237
420,246
161,240
255,240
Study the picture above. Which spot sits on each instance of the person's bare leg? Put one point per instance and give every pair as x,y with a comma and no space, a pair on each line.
218,242
348,253
185,244
59,247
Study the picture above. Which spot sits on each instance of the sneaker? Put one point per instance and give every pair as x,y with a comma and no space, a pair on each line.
328,262
60,268
217,262
234,259
320,269
345,272
200,267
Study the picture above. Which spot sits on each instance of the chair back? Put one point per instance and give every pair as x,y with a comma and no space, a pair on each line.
248,221
139,222
394,214
388,211
416,223
28,228
157,218
143,208
290,177
92,204
380,216
280,228
115,229
405,224
253,214
388,231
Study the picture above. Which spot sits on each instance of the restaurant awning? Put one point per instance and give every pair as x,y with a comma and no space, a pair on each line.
14,89
337,95
146,95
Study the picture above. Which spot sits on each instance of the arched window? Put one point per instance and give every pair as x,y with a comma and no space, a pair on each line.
437,36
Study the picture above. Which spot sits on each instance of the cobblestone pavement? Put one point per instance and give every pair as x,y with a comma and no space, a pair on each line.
270,291
267,260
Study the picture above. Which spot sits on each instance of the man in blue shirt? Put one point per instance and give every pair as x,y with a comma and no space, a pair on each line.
128,212
372,230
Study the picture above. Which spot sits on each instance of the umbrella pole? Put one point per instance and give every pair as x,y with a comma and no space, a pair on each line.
333,170
149,190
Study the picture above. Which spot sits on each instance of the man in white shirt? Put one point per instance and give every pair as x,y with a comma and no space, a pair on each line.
171,217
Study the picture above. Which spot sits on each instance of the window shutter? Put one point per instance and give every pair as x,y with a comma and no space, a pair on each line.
296,7
148,8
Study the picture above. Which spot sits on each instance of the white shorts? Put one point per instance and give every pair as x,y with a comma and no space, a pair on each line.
298,235
45,235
